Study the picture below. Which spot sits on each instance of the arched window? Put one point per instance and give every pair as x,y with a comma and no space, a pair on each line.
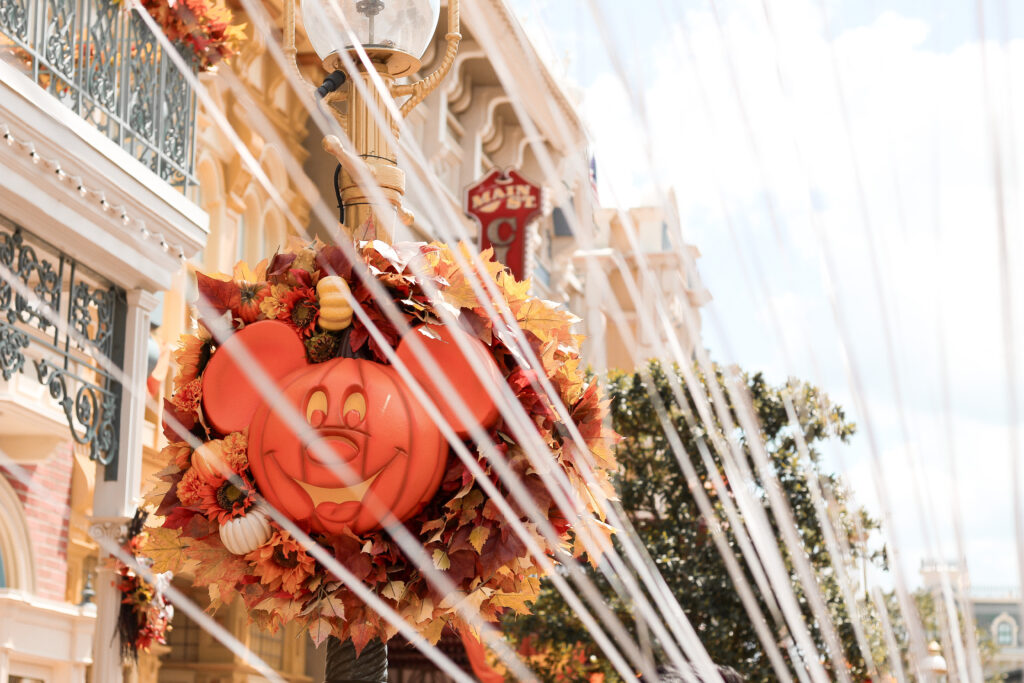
16,556
1004,633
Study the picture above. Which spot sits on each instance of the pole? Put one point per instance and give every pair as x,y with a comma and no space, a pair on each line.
344,666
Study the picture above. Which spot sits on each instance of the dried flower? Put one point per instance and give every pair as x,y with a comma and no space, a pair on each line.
283,563
227,501
301,310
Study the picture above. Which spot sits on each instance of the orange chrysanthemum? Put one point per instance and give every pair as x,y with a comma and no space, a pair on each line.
273,304
234,450
192,488
189,396
282,563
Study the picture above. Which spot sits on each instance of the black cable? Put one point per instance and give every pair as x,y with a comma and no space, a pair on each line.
337,195
331,83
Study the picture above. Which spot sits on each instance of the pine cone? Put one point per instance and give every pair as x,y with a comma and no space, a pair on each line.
322,346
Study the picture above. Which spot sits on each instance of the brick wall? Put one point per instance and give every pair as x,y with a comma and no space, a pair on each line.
48,508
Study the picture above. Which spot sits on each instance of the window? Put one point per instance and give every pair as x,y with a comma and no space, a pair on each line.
3,575
1004,633
183,639
267,646
240,240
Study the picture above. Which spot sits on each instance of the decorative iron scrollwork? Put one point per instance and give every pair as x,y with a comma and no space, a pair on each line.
92,414
12,359
66,319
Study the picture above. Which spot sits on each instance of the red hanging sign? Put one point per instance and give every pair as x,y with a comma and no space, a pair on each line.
504,203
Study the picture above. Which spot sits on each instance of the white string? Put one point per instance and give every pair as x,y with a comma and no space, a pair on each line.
773,317
244,155
806,576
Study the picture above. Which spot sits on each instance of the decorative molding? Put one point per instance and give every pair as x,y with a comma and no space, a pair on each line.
119,212
1004,618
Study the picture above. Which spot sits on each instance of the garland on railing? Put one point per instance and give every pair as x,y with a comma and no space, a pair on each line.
203,513
145,615
205,26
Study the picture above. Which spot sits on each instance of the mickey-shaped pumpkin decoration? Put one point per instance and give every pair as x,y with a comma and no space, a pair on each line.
367,453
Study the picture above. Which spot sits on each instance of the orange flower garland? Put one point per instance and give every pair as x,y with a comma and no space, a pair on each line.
461,529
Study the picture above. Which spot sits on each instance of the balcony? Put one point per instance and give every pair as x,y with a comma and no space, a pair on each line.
102,62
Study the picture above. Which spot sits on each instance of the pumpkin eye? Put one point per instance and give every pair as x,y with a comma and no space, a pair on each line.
354,410
316,408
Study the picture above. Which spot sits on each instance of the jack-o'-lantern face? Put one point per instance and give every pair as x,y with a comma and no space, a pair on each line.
365,442
355,450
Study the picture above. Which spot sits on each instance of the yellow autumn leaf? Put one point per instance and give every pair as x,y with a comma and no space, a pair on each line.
441,560
514,290
433,631
478,536
514,601
426,610
165,548
394,590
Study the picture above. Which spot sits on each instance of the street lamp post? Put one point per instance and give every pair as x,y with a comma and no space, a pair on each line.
393,34
935,663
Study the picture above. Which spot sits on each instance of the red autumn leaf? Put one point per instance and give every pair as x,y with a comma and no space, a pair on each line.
279,266
170,500
462,565
178,425
301,276
362,632
179,518
220,295
332,261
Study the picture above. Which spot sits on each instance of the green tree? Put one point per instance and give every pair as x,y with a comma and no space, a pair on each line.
656,497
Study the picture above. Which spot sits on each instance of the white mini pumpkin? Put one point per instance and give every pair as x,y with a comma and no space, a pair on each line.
244,534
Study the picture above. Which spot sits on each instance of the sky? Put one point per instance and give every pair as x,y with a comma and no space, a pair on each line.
839,178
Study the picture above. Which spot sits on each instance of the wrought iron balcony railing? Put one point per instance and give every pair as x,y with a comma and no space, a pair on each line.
102,62
68,323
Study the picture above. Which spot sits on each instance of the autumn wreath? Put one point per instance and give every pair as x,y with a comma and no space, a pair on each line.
309,289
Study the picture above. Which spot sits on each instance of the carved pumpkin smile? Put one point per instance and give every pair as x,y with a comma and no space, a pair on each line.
349,494
344,401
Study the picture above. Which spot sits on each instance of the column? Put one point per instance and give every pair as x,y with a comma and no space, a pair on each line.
117,489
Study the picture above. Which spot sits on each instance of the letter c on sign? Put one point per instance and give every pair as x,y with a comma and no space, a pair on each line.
501,239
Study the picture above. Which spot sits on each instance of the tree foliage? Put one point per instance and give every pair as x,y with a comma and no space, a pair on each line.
657,499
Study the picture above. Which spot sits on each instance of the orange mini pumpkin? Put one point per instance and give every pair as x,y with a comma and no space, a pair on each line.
366,453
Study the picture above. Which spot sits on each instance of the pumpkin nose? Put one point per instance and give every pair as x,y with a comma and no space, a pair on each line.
332,450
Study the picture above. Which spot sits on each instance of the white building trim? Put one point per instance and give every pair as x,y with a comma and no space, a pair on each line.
44,639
